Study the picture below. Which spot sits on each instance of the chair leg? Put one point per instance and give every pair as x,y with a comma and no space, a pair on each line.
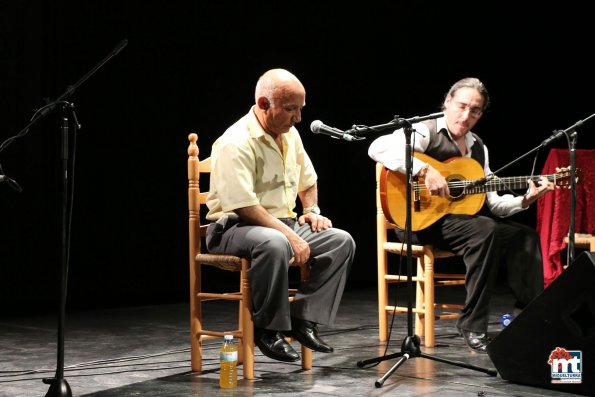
247,324
306,358
241,316
306,353
195,345
382,297
420,300
195,319
429,298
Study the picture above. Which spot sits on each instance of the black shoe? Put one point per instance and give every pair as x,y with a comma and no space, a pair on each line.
306,332
478,341
273,345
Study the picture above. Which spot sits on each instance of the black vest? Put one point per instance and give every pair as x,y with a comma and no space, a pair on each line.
442,147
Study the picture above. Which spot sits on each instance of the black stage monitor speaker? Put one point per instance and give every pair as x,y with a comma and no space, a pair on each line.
551,344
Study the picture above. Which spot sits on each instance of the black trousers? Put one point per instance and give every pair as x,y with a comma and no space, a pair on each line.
486,244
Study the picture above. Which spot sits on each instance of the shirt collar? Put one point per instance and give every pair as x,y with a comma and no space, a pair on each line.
257,132
254,127
441,124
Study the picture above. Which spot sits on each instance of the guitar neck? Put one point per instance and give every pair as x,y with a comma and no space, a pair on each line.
497,184
464,175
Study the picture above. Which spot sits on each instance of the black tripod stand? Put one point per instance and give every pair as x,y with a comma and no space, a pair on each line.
59,387
410,347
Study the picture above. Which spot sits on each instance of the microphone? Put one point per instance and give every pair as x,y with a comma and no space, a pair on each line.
318,127
120,47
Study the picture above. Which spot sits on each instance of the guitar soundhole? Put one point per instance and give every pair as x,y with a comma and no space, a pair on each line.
456,187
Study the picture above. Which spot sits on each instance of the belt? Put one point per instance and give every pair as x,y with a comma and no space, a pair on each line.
288,221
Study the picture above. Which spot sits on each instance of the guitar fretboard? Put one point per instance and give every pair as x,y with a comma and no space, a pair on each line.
496,184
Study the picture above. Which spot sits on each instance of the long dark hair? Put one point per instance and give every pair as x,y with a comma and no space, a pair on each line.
470,82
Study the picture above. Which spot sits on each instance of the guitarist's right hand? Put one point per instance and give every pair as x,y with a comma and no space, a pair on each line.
435,182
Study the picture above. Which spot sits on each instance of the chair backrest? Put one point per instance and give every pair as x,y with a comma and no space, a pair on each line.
382,223
196,197
196,232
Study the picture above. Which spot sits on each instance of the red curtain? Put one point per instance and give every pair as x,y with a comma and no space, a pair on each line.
553,209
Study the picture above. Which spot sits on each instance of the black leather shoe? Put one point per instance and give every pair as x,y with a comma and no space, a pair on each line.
306,332
478,341
273,345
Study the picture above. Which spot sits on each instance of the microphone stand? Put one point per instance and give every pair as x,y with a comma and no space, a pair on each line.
394,124
59,387
410,348
571,136
572,153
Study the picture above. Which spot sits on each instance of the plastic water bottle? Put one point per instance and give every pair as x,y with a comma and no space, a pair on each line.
506,319
228,359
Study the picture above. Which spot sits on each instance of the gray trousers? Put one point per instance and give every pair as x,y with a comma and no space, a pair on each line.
317,300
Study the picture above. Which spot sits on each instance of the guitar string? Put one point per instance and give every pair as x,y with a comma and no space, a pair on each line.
506,182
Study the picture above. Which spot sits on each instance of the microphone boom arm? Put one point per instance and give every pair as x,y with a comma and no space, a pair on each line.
394,124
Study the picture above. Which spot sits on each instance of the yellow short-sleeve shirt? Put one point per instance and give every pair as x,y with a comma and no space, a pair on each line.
249,169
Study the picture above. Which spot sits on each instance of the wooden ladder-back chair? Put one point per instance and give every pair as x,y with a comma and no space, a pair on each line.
425,278
198,257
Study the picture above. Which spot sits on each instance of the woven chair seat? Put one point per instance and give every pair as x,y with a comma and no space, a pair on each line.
226,262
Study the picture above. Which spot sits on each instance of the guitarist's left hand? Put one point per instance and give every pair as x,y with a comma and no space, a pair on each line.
536,191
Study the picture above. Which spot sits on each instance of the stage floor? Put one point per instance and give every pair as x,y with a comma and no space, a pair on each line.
144,351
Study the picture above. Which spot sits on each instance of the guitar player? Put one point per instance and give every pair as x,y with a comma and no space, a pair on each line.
484,239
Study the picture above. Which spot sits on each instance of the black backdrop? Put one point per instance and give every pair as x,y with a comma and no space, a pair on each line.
191,66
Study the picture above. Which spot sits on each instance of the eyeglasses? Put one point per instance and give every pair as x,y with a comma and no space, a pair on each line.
473,111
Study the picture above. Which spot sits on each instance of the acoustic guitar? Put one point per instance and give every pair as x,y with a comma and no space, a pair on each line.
466,182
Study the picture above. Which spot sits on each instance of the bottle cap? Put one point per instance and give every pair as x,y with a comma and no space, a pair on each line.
506,319
228,336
